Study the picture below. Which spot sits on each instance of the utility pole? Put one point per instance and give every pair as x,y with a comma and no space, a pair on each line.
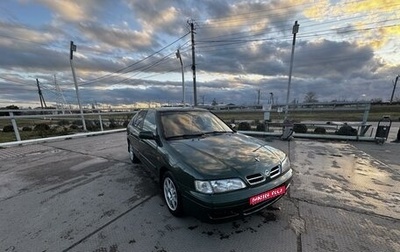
394,88
60,95
71,56
294,31
193,64
41,98
178,55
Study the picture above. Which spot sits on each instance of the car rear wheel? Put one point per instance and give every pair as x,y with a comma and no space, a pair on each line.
132,155
172,196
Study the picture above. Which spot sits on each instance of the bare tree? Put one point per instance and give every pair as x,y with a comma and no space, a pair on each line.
376,100
310,97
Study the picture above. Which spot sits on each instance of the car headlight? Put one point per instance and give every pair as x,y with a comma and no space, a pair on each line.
219,186
285,164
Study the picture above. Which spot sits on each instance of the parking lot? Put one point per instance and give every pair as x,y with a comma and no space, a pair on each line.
84,195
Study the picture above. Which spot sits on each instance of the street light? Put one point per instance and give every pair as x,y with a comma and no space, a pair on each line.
295,31
178,55
271,99
71,56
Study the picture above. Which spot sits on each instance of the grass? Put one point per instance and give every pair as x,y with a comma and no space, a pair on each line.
375,114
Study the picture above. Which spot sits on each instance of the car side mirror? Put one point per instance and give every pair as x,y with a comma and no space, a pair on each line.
147,135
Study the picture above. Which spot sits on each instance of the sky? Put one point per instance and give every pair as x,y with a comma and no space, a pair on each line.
345,50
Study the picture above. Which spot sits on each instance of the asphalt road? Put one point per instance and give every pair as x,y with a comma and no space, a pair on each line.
85,195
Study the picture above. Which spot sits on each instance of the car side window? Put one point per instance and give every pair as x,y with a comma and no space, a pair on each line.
149,123
139,118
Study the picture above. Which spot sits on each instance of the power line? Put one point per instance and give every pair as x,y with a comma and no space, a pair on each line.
140,69
121,71
304,34
307,24
226,42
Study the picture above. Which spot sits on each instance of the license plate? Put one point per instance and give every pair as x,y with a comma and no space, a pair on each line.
267,195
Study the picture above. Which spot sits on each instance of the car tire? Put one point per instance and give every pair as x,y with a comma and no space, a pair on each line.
134,159
172,196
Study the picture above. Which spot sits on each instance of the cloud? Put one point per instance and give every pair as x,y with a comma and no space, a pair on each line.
241,47
156,16
69,10
32,58
318,11
11,32
362,19
370,5
330,58
116,37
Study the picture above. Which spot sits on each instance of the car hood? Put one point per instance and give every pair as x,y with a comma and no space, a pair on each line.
227,155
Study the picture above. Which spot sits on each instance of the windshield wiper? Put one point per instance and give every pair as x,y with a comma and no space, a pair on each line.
217,132
185,136
200,134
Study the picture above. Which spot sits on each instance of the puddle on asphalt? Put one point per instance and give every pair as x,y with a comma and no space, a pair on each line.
351,176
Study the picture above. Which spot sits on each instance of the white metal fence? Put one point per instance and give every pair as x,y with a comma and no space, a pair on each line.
54,115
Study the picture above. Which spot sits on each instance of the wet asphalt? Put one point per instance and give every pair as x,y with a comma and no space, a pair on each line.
84,195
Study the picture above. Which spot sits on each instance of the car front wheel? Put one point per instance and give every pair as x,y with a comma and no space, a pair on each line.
132,155
171,195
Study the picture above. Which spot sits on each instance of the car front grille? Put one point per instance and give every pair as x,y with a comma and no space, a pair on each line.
275,171
257,178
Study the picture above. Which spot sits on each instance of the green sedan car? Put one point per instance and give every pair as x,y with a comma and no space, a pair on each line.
203,166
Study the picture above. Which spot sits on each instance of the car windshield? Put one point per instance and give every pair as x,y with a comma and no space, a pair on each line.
191,123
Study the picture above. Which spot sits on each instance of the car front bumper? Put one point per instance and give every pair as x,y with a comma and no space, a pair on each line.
233,204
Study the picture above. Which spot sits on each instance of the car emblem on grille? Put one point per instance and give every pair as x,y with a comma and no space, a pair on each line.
267,172
257,159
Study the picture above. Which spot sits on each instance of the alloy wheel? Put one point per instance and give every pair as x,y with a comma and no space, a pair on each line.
170,194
